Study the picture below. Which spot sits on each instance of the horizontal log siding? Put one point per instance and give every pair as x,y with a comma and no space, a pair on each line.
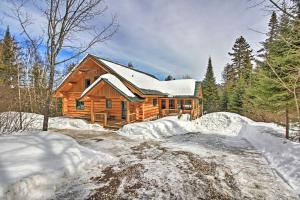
71,106
150,111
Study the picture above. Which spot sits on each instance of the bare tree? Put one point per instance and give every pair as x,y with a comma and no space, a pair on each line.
67,20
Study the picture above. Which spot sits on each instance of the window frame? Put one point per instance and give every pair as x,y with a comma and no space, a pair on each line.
87,81
154,102
173,103
180,103
187,106
108,103
79,105
163,104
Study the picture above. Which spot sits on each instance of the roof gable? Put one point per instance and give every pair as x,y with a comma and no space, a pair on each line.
143,83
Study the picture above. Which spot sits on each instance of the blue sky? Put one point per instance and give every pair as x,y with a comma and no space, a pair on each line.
172,36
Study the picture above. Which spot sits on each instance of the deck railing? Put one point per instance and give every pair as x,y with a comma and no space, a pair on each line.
101,117
132,117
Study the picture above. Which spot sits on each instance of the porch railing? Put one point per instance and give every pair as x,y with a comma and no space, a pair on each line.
101,117
132,117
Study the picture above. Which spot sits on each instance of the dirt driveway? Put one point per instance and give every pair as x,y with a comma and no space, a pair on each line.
190,166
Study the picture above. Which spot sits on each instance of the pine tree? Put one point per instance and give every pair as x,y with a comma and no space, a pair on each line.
236,102
241,59
210,92
275,87
237,76
8,68
224,100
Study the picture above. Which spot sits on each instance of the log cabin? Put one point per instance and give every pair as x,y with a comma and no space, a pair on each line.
112,94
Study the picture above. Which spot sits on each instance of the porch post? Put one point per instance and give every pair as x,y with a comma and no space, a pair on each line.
127,112
92,111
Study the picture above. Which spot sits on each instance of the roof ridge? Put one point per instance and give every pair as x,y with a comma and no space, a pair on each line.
122,65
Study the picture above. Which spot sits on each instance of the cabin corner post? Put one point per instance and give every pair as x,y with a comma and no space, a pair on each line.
127,112
92,111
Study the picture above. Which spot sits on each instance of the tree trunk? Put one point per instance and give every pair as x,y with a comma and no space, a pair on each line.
49,94
287,124
297,105
19,99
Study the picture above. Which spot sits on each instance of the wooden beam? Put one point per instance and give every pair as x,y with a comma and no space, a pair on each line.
92,112
127,112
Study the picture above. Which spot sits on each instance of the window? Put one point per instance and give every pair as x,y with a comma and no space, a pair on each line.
108,103
187,105
79,105
96,77
180,104
163,104
154,102
171,104
87,83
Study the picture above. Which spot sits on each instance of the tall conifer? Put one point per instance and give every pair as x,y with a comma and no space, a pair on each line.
210,90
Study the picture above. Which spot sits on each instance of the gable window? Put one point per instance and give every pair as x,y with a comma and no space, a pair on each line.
79,105
87,83
108,103
154,102
163,104
171,104
180,104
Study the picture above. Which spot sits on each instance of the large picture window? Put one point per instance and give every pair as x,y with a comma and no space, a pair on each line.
108,103
171,104
79,105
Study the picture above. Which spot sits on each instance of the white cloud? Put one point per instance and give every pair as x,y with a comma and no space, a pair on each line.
177,37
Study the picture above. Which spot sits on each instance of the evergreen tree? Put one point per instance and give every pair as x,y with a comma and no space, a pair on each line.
237,76
8,68
276,87
210,90
236,102
241,59
224,100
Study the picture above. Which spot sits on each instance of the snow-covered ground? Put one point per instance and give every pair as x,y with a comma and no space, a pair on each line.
35,121
283,155
32,164
218,156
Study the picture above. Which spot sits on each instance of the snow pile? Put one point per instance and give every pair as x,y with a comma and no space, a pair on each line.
158,129
32,164
214,123
35,121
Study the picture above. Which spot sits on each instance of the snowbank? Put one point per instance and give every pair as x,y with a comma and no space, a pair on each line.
214,123
32,164
283,155
158,129
35,121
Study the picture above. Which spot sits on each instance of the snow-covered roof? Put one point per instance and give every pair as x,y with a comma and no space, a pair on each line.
184,87
147,83
112,80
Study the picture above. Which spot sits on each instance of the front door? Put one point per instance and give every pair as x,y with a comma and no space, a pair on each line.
123,109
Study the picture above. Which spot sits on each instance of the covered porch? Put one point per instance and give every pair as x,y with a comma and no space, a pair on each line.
115,113
173,106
